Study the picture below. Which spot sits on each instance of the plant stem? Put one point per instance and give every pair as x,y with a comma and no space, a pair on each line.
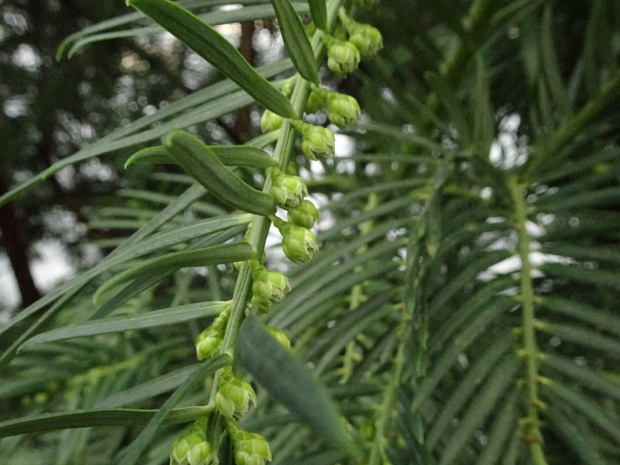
530,424
260,224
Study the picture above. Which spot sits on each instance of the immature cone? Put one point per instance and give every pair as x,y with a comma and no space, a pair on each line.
270,121
342,109
342,57
367,39
235,395
298,243
318,142
250,448
268,288
288,191
305,215
191,448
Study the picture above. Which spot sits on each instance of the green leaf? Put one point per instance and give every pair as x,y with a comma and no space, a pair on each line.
482,109
606,253
86,419
583,336
597,317
503,426
134,451
215,255
163,317
451,104
598,415
210,45
551,66
469,333
607,197
212,18
318,12
230,155
347,329
483,405
204,166
582,274
585,376
295,40
290,382
573,438
483,367
149,389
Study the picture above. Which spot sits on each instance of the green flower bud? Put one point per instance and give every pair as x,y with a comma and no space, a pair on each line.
210,339
268,288
342,57
318,143
235,395
367,40
250,448
342,109
288,85
280,336
288,191
191,448
299,244
207,343
270,121
316,102
305,215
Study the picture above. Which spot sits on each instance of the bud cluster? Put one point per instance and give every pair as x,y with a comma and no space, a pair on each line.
342,109
298,243
318,143
270,121
249,448
367,39
305,215
192,447
210,339
344,56
235,395
268,287
287,190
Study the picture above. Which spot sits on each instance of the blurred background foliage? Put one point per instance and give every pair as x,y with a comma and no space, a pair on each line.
476,204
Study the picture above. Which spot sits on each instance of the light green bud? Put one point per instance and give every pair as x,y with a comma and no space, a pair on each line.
318,143
288,191
191,448
210,339
207,342
316,102
280,336
342,57
250,448
288,85
367,39
268,288
270,121
305,215
298,243
342,109
235,395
